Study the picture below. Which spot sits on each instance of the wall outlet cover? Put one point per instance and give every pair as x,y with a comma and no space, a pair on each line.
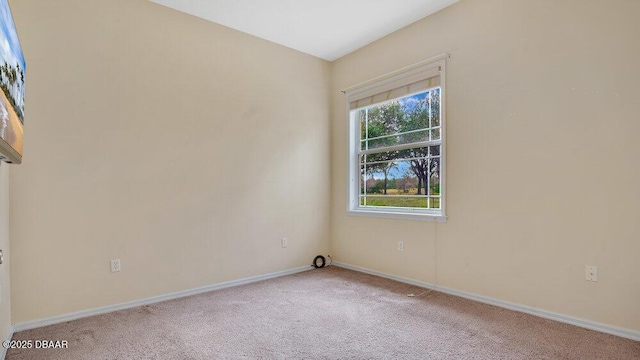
115,265
591,273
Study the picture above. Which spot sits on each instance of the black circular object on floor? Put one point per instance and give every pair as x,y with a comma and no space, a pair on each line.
315,262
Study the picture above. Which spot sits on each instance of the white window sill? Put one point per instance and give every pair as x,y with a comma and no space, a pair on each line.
398,215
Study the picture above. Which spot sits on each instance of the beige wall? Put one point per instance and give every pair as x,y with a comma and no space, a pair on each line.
543,174
5,291
184,148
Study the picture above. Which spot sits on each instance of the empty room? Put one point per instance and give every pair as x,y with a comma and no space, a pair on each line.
296,179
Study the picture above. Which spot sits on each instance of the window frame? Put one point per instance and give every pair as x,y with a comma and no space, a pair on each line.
402,77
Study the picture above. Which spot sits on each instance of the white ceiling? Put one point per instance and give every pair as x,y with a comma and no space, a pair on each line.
327,29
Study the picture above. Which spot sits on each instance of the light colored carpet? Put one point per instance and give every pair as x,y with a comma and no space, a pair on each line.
329,313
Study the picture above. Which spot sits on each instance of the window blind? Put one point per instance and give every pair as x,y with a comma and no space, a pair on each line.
422,79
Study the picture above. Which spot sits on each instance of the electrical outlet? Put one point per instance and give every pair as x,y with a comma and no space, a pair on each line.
284,242
592,273
115,265
400,245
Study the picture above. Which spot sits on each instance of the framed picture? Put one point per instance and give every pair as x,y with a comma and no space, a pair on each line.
12,72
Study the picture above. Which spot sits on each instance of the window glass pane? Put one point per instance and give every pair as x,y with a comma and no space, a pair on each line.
362,120
407,174
434,176
435,134
434,102
434,187
398,139
391,177
399,179
395,201
401,121
394,156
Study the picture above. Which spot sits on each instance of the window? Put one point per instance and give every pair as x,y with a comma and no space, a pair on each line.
396,142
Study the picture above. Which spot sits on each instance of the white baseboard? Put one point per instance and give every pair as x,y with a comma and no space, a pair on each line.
152,300
587,324
3,350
